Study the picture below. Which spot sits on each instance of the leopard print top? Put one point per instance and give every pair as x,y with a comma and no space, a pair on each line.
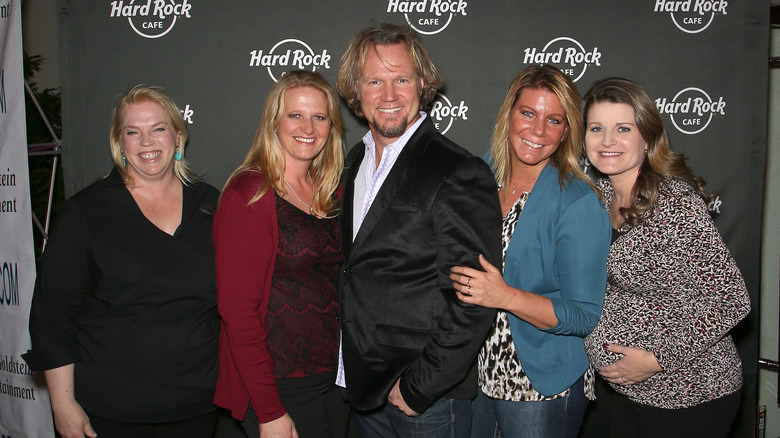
501,375
673,289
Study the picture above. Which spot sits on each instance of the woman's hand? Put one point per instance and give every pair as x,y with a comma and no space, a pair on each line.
488,289
484,288
282,427
70,420
635,366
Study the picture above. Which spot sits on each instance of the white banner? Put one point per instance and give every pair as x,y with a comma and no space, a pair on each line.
24,403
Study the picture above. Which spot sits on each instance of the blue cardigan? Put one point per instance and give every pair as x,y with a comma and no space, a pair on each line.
559,250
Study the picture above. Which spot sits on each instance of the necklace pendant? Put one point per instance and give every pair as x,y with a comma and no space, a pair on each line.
308,204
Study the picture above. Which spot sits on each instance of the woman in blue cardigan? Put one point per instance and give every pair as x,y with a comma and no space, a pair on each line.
534,375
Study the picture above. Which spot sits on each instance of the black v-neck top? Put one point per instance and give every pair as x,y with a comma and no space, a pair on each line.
133,307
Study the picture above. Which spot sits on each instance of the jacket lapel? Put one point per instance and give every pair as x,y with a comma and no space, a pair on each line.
350,172
395,179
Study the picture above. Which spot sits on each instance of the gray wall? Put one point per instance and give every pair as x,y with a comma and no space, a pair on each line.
770,253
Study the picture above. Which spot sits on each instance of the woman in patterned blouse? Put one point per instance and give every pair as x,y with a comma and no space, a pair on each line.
533,371
674,292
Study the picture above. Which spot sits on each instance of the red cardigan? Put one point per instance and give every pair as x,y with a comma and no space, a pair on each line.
245,244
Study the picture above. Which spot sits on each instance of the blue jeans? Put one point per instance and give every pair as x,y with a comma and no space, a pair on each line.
446,418
557,418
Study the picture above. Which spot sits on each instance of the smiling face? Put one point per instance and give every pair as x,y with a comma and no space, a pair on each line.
148,140
537,125
304,124
389,92
613,142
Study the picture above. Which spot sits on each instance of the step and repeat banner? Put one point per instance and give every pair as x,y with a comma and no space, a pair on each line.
24,402
704,61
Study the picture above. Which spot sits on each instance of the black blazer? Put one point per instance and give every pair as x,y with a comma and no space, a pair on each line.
399,314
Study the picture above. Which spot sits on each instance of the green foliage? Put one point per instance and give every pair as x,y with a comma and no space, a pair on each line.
40,166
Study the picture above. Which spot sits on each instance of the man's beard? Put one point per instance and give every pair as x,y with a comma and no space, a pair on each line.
392,130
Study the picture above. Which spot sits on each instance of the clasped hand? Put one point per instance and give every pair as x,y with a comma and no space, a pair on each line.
636,365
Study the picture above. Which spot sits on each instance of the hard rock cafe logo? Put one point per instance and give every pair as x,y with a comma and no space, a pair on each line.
691,110
444,113
289,54
151,18
714,206
692,16
567,54
428,17
187,113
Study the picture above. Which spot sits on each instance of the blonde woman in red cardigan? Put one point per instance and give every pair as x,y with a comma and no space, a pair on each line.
278,255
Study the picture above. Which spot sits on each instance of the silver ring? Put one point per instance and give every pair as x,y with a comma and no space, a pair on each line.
468,283
623,379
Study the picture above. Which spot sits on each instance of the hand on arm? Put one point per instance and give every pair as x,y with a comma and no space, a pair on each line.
635,366
69,419
488,289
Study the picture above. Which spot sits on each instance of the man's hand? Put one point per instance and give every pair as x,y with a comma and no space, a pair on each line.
396,399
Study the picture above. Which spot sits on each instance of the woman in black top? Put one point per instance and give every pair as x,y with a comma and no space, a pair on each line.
124,320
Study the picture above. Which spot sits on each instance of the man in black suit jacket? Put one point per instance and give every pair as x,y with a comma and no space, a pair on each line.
415,204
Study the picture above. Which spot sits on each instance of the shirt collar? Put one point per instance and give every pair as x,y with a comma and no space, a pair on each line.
397,145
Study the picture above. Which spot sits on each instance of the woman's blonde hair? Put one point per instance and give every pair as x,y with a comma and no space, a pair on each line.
145,93
266,155
568,156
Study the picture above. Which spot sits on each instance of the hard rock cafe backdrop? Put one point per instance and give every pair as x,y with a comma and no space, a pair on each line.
704,61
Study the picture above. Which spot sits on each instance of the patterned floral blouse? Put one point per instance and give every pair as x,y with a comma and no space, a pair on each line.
673,289
501,375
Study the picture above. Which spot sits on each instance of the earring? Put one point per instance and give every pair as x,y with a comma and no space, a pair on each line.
177,155
124,160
